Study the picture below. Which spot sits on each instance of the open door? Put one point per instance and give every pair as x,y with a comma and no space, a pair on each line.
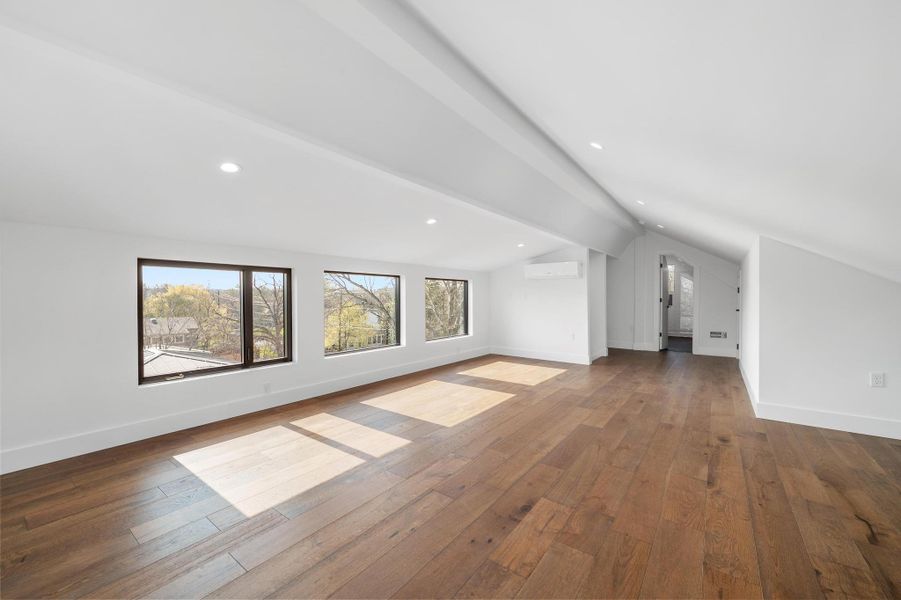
664,303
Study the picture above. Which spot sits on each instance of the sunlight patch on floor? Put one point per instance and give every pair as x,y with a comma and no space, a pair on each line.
351,434
440,402
511,372
258,471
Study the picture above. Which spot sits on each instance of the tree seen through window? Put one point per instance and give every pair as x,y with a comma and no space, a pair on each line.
360,311
446,308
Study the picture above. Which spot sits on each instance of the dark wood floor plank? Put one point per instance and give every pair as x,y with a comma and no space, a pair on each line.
523,548
332,573
642,506
684,501
202,579
450,569
693,456
125,563
841,581
264,547
152,577
479,468
721,586
587,527
266,575
579,475
870,512
886,452
884,567
642,474
785,567
729,540
560,574
445,574
618,569
675,566
392,570
491,581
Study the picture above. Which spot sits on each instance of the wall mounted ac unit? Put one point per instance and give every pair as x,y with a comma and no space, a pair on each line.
558,270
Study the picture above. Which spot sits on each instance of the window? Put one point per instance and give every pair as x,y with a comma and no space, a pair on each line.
362,311
686,302
199,318
446,308
270,341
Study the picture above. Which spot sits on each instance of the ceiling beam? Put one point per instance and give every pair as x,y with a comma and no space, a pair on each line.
395,33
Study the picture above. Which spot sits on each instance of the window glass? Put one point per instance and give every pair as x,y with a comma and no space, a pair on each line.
361,311
686,300
269,331
446,308
191,320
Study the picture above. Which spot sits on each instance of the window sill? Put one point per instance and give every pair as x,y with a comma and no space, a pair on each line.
274,365
362,351
450,338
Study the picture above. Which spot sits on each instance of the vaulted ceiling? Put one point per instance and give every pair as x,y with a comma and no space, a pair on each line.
121,111
726,119
357,120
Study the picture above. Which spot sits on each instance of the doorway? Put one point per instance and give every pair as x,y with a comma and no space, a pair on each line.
677,286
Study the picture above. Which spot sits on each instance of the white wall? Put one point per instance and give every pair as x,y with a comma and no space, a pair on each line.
715,288
69,364
597,303
545,319
621,299
823,327
749,355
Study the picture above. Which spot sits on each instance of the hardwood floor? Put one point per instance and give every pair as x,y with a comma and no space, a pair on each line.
643,475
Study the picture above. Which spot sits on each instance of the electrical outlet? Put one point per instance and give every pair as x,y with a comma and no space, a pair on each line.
877,379
267,388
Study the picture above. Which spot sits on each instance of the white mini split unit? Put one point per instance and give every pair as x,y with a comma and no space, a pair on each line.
558,270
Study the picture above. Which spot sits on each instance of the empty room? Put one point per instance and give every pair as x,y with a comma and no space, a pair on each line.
450,299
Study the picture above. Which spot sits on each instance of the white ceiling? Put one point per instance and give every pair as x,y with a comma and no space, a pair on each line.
122,109
88,146
355,122
728,119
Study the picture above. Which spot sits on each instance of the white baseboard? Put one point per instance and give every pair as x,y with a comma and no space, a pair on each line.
578,359
714,351
599,354
889,428
22,457
621,344
644,347
751,393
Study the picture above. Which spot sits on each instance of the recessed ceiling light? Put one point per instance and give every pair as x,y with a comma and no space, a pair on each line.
596,146
660,226
640,202
641,222
431,221
520,245
229,167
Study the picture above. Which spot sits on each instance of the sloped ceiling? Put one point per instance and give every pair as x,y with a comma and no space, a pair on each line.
720,121
116,113
726,119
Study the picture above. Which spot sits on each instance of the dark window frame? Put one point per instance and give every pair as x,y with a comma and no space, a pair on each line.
246,272
397,301
465,283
